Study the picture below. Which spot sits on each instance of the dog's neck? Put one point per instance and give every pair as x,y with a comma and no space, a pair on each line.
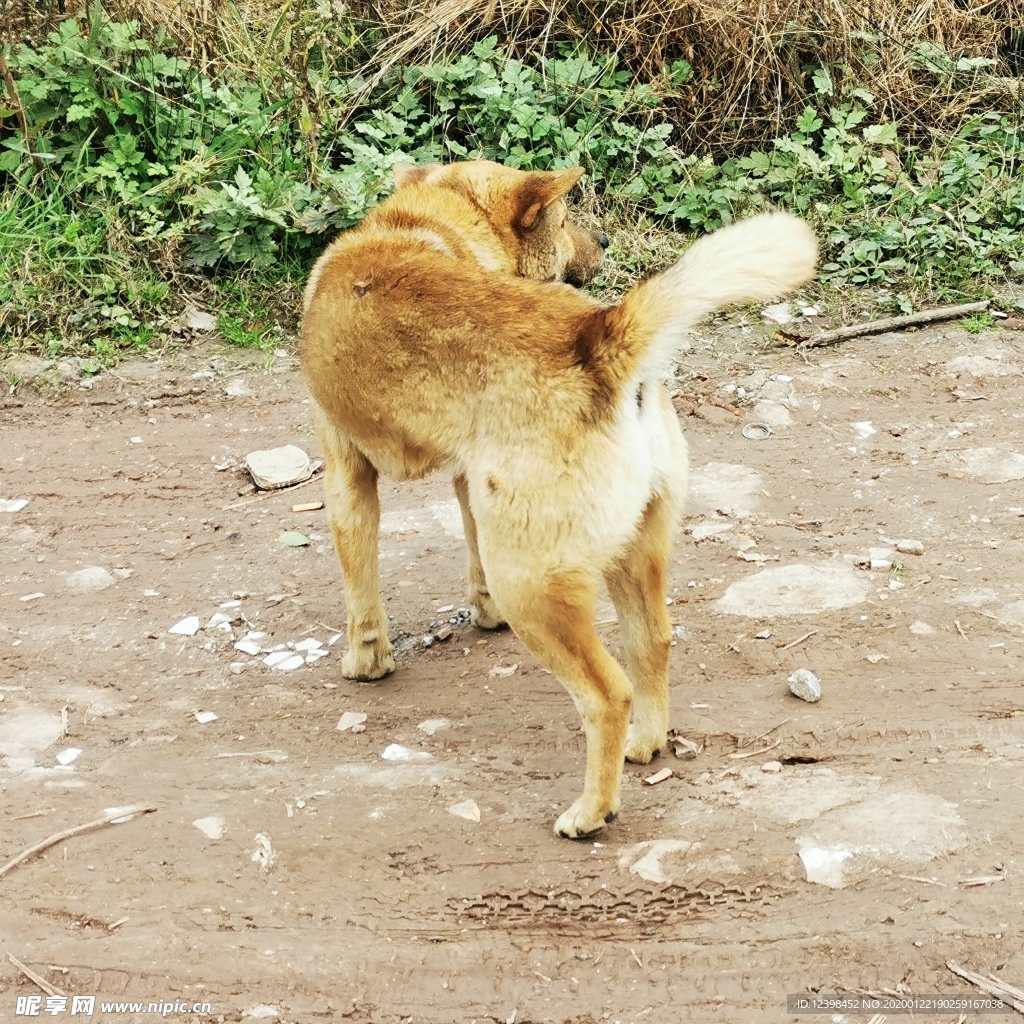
430,219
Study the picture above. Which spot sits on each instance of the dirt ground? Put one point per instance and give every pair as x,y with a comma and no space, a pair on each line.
903,787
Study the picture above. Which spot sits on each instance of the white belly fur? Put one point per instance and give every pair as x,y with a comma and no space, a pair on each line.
587,515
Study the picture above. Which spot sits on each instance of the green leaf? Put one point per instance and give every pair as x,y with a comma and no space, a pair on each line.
880,134
809,122
293,539
822,82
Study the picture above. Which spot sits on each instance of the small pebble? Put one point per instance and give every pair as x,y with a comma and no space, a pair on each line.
910,547
805,685
772,767
467,809
350,719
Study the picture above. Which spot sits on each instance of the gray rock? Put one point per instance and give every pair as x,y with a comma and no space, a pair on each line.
273,468
805,685
27,367
199,320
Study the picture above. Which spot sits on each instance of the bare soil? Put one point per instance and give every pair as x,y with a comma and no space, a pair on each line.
380,904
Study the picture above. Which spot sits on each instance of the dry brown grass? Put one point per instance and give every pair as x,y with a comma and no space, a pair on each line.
751,58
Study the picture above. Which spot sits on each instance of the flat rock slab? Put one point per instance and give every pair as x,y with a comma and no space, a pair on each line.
92,577
724,485
996,465
273,468
848,843
794,590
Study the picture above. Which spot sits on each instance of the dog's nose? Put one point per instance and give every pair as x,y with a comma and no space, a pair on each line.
602,239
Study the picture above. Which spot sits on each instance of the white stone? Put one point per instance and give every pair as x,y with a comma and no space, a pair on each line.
779,313
284,661
212,827
775,414
396,752
465,809
278,467
350,719
910,547
206,717
199,320
711,528
12,504
805,685
188,626
262,1011
825,866
644,859
921,629
434,725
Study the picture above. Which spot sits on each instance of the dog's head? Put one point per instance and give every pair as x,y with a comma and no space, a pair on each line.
526,211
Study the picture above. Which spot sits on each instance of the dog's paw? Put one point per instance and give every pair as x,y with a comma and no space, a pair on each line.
368,661
483,612
642,746
584,818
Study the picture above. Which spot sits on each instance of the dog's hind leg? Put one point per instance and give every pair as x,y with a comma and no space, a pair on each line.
353,512
482,609
636,583
554,617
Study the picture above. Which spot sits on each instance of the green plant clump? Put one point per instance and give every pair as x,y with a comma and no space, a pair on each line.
144,178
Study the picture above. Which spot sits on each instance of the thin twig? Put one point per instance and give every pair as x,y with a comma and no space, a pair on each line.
333,629
38,979
268,494
892,323
768,732
754,753
114,817
959,628
799,640
1013,997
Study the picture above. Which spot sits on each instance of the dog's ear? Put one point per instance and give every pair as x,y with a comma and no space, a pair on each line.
412,174
540,189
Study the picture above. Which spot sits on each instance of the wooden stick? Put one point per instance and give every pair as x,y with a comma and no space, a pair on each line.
892,323
753,753
799,640
50,990
114,817
19,109
1013,997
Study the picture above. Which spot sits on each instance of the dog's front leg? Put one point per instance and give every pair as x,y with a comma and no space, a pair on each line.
482,609
353,512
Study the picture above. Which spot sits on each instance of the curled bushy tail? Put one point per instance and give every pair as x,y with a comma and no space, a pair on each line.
757,259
